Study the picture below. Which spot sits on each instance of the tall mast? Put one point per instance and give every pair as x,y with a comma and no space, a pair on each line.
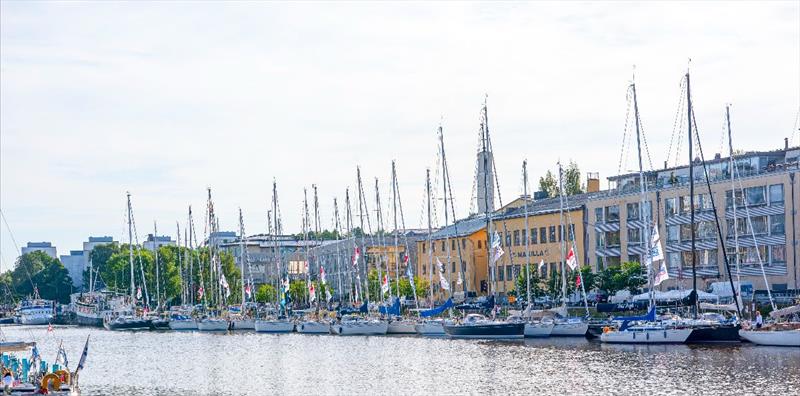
275,250
155,250
337,231
527,231
491,264
180,263
446,218
242,255
430,234
737,289
362,211
318,239
691,192
130,248
381,240
562,250
643,199
192,290
396,248
348,218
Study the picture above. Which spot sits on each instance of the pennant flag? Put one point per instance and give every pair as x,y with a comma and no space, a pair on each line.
498,250
441,266
247,291
83,355
312,294
322,275
460,281
541,264
62,356
385,284
200,292
224,283
356,256
496,240
572,261
662,274
656,252
578,280
49,327
443,282
138,293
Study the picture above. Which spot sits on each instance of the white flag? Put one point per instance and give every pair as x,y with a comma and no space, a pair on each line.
385,285
656,252
572,261
328,296
441,266
312,294
459,281
443,282
322,275
541,264
356,255
662,274
495,240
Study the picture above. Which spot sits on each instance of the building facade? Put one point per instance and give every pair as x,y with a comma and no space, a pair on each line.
45,247
756,211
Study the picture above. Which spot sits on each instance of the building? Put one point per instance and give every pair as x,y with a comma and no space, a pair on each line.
156,241
45,247
760,216
78,260
261,254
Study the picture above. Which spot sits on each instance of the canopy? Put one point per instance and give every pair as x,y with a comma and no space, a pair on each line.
394,309
16,346
438,310
650,317
674,295
785,311
718,307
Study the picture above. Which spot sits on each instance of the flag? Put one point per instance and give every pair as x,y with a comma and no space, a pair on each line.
200,292
497,254
322,275
224,283
312,293
572,261
578,280
498,250
656,252
541,264
443,282
35,353
662,274
441,266
495,240
328,296
460,280
62,355
385,284
356,256
409,271
49,327
247,291
138,293
83,355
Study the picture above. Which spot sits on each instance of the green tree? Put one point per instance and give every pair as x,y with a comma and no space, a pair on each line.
521,285
572,179
99,257
549,184
265,293
47,274
628,276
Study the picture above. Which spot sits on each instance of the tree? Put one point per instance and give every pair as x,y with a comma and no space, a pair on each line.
265,293
521,285
549,184
628,276
47,274
572,179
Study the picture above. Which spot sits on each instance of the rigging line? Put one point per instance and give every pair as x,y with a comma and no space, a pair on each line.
644,140
796,126
11,234
624,131
678,118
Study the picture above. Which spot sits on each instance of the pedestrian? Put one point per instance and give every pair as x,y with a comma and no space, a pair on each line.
759,320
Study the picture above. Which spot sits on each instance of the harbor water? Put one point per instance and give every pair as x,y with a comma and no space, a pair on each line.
248,363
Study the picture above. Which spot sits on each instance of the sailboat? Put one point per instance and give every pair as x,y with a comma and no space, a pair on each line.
182,318
276,321
649,332
312,323
431,327
242,320
123,316
212,321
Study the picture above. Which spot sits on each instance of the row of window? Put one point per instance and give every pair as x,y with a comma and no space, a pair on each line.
452,245
610,214
549,234
775,254
452,268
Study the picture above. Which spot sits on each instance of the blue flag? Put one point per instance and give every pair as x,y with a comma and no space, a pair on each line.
83,355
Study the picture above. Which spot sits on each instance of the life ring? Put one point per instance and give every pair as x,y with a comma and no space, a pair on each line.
63,375
606,329
51,379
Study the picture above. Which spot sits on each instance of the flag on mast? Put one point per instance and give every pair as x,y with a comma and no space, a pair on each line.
498,250
385,284
572,261
82,361
541,264
322,275
356,256
662,274
443,282
460,280
656,252
312,294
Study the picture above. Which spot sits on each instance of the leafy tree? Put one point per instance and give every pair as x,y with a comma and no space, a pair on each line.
549,184
265,293
628,276
521,285
47,274
572,180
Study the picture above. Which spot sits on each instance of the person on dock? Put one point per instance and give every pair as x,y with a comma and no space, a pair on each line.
759,320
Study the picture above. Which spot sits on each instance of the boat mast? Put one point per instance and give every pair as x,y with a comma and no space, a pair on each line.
430,234
319,240
528,237
362,211
446,218
643,200
180,262
155,250
337,230
242,255
305,242
691,193
382,242
130,248
563,242
491,264
348,218
396,247
276,229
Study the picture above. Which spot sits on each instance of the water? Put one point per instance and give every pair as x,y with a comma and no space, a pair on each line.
247,363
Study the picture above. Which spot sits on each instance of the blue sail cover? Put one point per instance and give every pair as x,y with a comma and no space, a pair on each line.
364,308
651,316
438,310
393,310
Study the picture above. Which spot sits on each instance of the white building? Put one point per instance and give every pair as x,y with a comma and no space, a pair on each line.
78,260
46,247
154,241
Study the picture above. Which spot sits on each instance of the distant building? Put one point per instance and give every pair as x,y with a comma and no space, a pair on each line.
75,263
222,237
156,241
261,254
46,247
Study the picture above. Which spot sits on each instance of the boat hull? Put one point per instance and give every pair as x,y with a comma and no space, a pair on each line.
212,325
137,324
655,336
361,328
85,320
159,324
243,324
430,329
570,329
721,333
184,324
311,327
274,326
487,331
788,338
401,327
35,319
538,330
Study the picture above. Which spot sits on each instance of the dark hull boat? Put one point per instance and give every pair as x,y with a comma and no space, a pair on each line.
159,324
714,333
127,324
489,330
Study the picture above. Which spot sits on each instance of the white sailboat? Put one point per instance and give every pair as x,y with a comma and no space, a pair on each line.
430,327
357,325
243,321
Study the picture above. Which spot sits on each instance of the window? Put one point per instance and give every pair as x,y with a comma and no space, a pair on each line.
673,233
685,205
552,233
634,235
632,210
572,232
776,194
600,265
443,248
612,238
423,248
706,230
508,238
758,224
755,195
424,268
516,237
750,255
453,266
453,244
635,258
778,254
543,235
687,259
463,243
670,207
544,271
480,244
703,202
534,236
777,225
674,259
686,232
707,258
598,215
612,261
560,233
524,236
612,213
510,272
600,238
500,273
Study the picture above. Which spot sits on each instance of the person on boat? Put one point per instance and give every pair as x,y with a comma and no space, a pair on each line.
759,320
8,379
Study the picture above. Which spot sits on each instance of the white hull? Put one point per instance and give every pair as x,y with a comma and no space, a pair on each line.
312,327
243,324
789,338
35,319
274,326
401,327
538,330
570,329
430,329
654,336
361,328
186,324
212,325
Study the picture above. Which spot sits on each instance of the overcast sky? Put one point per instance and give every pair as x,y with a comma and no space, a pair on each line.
164,99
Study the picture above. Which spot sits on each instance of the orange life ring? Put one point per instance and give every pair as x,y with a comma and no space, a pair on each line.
606,329
51,379
63,375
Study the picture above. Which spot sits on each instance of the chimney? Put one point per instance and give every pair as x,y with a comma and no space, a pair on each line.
592,182
785,143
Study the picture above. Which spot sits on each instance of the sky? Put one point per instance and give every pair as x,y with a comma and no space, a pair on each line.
166,99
